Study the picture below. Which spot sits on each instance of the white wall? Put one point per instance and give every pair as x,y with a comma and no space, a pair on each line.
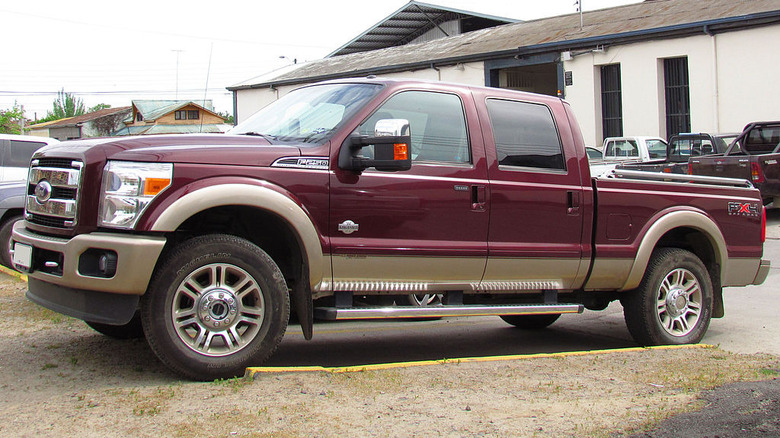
730,75
252,100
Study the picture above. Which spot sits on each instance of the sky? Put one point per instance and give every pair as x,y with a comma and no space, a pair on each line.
115,52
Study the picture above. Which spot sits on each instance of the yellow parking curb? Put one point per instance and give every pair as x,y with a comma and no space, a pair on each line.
13,273
252,371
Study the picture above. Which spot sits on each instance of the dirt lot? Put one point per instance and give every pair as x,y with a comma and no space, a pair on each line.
59,378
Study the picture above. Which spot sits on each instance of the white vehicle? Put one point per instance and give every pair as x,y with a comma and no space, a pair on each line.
628,149
15,154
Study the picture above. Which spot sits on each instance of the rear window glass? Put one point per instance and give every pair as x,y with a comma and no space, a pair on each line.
525,135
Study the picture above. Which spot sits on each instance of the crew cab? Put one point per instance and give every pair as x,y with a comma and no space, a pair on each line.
753,156
368,189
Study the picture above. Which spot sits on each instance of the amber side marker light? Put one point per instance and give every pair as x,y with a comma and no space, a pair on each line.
400,151
154,186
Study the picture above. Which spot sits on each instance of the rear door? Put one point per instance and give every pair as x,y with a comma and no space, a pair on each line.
536,237
422,229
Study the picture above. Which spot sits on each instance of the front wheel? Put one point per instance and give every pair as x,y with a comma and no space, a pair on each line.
217,305
673,303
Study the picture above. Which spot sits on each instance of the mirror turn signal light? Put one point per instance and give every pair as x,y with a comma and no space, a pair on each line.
400,151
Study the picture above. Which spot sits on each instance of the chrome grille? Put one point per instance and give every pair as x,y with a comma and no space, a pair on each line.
52,192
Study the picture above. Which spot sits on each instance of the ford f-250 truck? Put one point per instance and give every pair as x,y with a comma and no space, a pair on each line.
754,156
367,189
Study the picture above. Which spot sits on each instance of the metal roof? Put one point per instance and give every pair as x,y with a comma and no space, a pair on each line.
413,20
154,109
654,19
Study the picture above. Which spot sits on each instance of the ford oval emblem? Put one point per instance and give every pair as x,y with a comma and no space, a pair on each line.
42,191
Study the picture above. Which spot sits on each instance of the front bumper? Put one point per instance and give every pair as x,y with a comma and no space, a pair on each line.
70,262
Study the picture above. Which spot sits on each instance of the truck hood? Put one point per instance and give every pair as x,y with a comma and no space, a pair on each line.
188,148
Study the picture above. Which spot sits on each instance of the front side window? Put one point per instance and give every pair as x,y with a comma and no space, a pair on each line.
656,149
180,115
308,115
525,135
193,114
437,123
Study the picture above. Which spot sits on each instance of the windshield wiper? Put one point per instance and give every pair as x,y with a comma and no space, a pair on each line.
268,137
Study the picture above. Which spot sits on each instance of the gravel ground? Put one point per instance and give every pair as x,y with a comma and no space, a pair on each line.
60,378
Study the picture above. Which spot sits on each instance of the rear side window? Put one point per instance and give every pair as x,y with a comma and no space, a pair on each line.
21,152
525,135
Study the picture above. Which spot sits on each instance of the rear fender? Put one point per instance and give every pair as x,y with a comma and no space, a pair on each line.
668,222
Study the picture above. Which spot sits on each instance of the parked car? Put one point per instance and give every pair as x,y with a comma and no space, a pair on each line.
632,149
12,196
680,149
374,187
15,154
753,155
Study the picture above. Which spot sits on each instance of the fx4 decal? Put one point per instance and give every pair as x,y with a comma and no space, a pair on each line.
747,209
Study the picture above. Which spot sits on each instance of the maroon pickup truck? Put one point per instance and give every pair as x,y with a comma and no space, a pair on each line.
344,195
753,156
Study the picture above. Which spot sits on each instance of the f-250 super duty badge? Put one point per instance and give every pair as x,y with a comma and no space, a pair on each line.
747,209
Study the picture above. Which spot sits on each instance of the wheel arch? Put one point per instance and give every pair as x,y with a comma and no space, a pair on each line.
265,216
686,229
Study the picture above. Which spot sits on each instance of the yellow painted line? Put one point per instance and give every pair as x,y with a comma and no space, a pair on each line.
252,371
13,273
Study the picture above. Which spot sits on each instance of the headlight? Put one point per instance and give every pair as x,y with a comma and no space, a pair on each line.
127,190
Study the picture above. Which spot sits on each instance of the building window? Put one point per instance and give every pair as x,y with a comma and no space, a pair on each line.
180,115
139,117
193,114
678,101
525,135
611,101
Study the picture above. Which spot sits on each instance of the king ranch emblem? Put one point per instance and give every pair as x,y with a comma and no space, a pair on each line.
747,209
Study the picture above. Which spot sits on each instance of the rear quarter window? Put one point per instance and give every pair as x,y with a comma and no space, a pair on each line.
525,135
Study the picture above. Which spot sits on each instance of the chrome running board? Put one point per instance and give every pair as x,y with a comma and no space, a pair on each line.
338,313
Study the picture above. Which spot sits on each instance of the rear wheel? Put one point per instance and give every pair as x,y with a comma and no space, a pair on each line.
218,305
530,322
673,303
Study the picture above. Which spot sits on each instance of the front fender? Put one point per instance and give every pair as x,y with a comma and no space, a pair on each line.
261,197
667,222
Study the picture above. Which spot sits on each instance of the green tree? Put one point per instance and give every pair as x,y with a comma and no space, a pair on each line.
66,105
9,120
98,107
228,117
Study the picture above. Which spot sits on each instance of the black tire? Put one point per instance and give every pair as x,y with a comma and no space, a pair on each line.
673,303
530,322
231,305
5,240
132,330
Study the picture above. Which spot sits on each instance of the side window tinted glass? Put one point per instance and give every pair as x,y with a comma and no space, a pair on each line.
21,152
437,123
525,135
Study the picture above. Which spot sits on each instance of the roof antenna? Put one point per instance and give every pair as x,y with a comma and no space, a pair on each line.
206,90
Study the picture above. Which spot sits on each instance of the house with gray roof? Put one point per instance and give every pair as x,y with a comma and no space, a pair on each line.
657,67
149,117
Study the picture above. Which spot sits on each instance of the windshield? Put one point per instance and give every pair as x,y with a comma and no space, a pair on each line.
308,115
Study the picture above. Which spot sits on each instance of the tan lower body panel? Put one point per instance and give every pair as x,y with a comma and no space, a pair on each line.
420,274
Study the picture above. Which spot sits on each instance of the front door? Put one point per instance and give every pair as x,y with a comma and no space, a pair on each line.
422,229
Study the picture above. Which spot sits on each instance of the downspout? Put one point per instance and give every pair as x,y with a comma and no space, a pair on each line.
715,84
438,71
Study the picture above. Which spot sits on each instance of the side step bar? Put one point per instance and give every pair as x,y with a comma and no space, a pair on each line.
339,313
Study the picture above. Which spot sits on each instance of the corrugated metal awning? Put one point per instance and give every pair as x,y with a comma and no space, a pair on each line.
412,21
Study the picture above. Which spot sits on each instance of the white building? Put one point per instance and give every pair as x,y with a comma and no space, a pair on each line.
653,68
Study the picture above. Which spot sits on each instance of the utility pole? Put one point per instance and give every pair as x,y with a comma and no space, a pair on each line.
578,4
177,72
21,121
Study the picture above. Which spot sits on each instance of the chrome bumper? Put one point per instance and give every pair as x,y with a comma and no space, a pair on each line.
136,257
